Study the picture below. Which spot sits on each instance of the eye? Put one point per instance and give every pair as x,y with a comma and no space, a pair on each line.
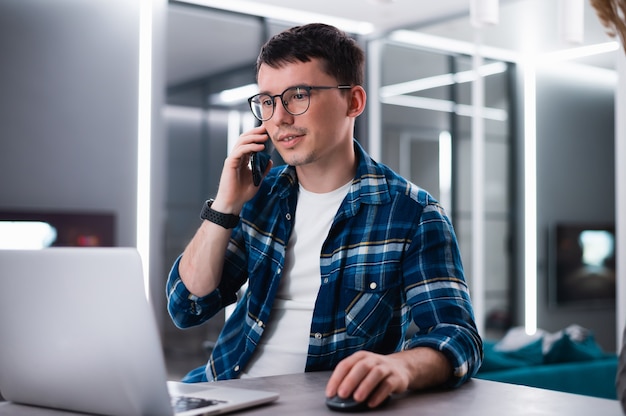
266,101
299,94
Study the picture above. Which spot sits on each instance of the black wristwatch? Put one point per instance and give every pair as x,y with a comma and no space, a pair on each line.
225,220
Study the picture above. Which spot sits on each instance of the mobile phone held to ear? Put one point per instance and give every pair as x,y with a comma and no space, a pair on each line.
259,162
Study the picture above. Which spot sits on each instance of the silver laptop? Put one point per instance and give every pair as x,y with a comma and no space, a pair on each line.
77,333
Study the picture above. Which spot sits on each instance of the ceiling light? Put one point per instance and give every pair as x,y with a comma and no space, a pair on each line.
579,52
484,12
447,106
234,96
285,14
441,80
432,42
572,20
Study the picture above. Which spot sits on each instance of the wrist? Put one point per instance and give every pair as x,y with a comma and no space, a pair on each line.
223,219
225,205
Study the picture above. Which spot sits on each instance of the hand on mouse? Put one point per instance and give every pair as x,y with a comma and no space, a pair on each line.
367,377
372,378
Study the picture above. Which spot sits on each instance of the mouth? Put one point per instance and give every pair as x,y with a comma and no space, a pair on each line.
288,138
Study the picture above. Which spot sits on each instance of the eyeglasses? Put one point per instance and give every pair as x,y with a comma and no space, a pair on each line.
296,101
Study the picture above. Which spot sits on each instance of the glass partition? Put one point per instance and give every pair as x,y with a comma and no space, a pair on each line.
425,108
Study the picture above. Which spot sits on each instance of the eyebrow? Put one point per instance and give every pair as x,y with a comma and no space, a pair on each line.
292,86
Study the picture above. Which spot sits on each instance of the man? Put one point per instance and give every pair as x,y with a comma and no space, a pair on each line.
340,254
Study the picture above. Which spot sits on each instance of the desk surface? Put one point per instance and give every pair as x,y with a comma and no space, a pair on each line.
303,394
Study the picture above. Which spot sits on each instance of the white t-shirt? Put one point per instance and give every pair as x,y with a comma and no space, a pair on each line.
285,342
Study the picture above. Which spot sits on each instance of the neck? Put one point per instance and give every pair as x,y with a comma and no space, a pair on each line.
328,175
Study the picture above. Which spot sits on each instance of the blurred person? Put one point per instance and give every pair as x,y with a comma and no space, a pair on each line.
612,15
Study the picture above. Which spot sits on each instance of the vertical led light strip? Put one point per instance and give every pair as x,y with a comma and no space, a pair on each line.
234,129
620,197
445,171
374,115
530,198
478,187
144,117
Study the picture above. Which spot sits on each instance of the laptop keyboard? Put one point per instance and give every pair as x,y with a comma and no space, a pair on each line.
185,403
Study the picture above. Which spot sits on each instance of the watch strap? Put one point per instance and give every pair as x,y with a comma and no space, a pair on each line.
225,220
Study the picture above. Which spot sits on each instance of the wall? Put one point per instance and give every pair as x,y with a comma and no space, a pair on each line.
68,125
575,177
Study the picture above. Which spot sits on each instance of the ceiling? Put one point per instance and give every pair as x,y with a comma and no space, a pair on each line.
201,40
206,37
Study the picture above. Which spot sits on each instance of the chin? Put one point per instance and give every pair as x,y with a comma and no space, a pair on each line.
297,159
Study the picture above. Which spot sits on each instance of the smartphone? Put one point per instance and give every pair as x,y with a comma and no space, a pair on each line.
259,162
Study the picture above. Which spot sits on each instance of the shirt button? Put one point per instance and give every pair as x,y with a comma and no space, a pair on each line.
373,285
194,308
260,323
236,368
318,335
288,216
326,280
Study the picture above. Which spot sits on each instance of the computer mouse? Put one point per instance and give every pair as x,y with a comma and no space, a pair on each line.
351,405
345,405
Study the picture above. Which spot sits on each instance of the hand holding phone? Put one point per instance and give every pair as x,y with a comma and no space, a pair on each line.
259,162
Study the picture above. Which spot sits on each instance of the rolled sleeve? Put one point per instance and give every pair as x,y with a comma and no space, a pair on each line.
439,297
461,346
186,309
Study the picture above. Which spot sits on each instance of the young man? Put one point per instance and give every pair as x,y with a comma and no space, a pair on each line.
339,252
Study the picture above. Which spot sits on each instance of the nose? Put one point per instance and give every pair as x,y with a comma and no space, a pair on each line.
281,115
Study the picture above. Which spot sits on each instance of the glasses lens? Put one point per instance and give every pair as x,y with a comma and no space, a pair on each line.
296,100
262,106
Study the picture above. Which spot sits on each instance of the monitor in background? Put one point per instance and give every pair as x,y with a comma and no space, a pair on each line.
39,229
583,272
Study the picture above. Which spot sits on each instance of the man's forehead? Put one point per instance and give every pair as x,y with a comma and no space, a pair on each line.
278,78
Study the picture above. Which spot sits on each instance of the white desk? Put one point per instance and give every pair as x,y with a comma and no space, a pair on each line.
303,394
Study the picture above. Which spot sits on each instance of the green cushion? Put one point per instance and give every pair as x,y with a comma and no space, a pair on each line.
565,350
525,356
592,378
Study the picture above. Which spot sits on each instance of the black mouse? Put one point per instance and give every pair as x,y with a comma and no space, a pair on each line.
345,405
349,404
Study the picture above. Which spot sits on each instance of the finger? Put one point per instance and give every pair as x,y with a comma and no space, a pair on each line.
259,132
381,393
339,375
358,369
379,380
336,378
251,141
370,379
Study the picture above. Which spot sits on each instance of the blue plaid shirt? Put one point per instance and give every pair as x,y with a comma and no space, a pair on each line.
390,258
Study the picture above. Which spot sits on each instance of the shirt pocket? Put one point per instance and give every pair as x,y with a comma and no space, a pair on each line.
371,299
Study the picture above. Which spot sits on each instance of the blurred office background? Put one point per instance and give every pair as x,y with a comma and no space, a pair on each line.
117,115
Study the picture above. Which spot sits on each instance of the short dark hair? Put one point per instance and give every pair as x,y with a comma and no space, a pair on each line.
341,56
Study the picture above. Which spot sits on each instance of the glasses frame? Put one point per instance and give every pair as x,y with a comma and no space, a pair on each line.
308,89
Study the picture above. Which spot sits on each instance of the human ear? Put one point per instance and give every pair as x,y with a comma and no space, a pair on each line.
357,101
